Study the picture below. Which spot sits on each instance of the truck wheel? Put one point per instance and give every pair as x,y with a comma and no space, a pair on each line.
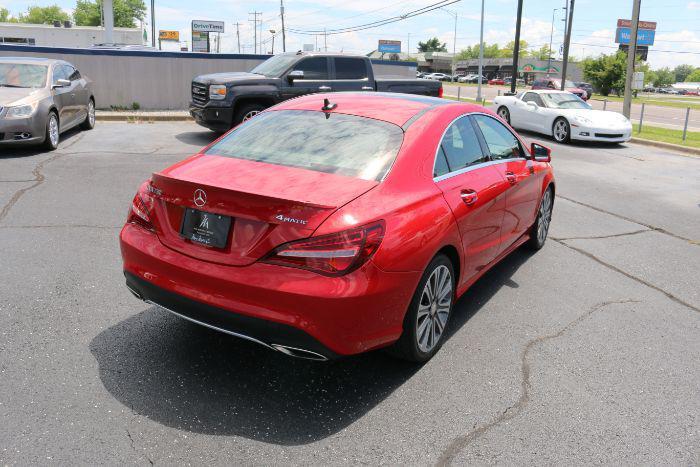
246,112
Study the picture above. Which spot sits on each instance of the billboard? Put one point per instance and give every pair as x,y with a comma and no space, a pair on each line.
200,41
207,26
644,36
389,47
627,23
168,35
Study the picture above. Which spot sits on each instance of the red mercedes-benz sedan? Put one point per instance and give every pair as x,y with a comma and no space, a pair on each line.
334,224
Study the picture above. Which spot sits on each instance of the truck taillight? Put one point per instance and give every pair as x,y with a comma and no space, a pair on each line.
331,255
440,91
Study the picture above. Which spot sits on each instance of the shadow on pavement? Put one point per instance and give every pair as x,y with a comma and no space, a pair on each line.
191,378
546,140
198,138
17,151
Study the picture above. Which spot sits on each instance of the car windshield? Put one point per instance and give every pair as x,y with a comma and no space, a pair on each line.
569,84
19,75
332,143
563,100
275,66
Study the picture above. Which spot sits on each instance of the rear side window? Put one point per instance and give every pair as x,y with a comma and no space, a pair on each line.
460,146
350,68
501,142
314,67
341,144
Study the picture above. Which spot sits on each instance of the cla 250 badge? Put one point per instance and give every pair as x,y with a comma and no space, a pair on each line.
291,220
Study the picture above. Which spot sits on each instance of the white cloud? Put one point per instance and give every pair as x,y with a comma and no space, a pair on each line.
694,6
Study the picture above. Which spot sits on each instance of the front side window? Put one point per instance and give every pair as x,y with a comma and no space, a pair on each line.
460,147
533,97
17,75
275,66
59,72
314,67
350,68
341,144
501,142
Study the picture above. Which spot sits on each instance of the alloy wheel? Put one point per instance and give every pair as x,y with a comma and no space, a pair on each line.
91,113
250,115
561,130
503,113
53,130
545,216
434,309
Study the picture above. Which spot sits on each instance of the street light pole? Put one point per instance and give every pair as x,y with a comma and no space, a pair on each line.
272,31
631,55
454,41
516,47
567,43
551,34
481,53
153,23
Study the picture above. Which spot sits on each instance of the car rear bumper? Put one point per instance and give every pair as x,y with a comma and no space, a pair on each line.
272,305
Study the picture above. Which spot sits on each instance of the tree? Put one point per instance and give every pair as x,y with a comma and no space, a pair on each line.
682,72
432,45
694,77
4,15
471,52
606,72
43,15
126,13
663,77
543,53
507,51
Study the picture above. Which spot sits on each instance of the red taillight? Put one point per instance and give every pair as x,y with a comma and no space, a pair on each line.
440,91
331,255
141,209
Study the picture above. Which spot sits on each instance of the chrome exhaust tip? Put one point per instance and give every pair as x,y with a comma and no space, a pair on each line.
299,353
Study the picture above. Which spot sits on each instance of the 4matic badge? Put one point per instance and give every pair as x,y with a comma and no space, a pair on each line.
291,220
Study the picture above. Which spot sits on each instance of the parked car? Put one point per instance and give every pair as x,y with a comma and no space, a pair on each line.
438,77
42,98
464,78
335,224
475,79
562,115
588,87
497,81
223,100
553,83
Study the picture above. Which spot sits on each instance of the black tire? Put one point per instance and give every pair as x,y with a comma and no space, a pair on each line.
540,229
504,113
408,347
246,111
89,122
49,143
564,135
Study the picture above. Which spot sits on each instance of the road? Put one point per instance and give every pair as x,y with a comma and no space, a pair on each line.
668,117
586,352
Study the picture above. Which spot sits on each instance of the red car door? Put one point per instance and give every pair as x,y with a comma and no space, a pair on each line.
517,169
474,190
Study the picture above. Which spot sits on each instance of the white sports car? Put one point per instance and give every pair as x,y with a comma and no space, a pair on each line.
562,115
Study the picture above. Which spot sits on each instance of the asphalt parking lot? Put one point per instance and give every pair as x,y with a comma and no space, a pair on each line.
585,352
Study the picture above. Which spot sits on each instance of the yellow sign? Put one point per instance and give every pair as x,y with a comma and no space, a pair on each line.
169,35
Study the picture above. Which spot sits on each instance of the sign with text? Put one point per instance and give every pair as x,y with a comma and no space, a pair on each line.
644,36
207,26
389,47
626,23
200,41
169,35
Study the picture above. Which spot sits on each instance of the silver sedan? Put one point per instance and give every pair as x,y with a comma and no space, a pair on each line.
40,99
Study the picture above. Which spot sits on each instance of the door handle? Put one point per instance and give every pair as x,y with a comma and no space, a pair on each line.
469,197
512,179
324,88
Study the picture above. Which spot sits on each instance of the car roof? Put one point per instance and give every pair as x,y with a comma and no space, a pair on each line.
390,107
547,91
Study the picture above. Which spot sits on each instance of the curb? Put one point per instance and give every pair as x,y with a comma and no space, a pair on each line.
669,146
143,118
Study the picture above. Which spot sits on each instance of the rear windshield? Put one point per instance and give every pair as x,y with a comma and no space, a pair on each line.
19,75
335,143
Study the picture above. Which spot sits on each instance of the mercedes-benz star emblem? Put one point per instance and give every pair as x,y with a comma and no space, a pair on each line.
200,197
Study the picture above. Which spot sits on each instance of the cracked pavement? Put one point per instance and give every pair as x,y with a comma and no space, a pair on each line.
585,352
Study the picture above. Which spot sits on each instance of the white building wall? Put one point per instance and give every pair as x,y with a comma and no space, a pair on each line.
46,35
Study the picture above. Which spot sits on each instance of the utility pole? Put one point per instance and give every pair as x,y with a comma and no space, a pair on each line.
153,23
325,40
481,53
551,34
454,49
516,47
284,37
567,42
272,31
255,28
238,37
631,55
408,46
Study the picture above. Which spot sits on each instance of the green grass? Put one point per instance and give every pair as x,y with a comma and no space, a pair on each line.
660,101
667,135
470,100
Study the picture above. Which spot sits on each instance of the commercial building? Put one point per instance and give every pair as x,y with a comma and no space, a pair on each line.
64,35
528,68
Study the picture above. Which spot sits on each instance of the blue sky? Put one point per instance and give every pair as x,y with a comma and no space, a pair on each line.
677,38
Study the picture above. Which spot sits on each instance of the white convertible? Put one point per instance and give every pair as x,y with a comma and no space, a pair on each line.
562,115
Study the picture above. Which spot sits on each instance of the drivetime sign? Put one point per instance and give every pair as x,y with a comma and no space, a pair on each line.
644,36
207,26
389,47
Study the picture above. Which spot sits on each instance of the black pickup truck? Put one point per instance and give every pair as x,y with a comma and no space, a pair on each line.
223,100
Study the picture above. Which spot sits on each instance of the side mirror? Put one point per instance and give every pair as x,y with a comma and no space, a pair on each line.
60,83
532,104
540,153
294,75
